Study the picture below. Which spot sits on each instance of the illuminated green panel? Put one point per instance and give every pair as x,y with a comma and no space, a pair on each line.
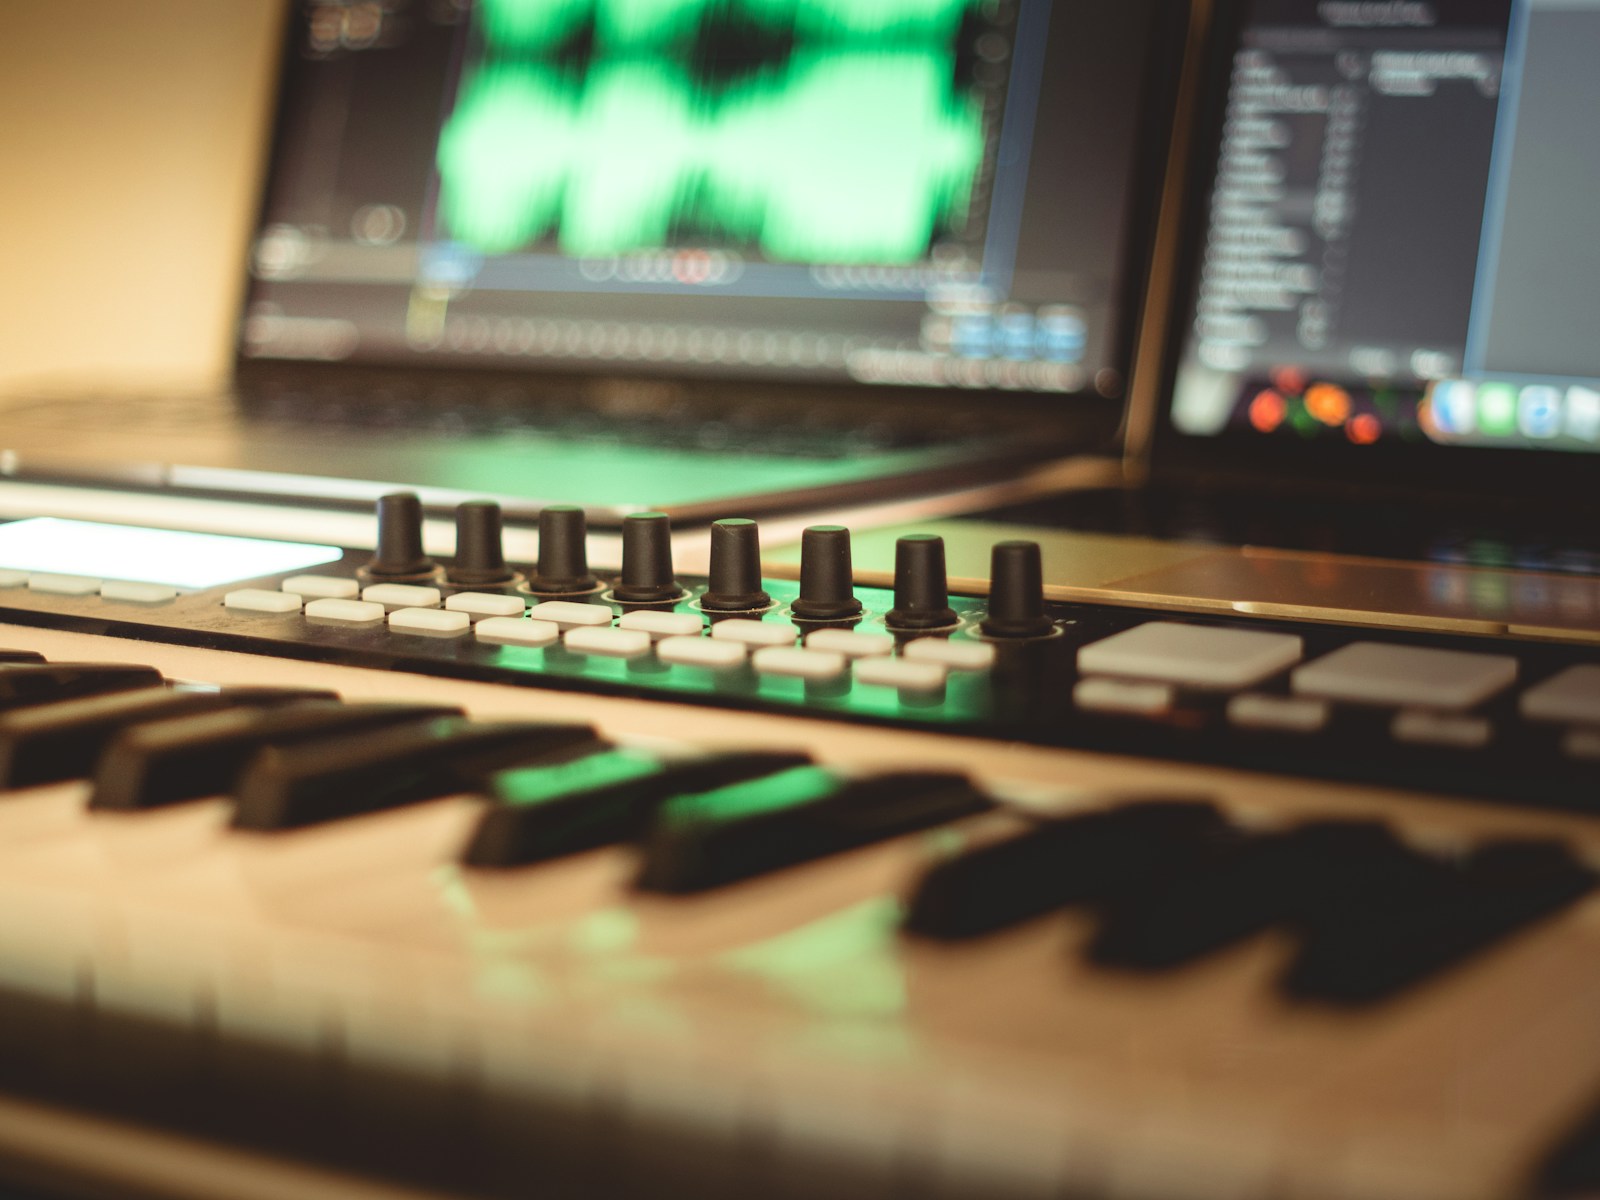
843,157
786,789
537,785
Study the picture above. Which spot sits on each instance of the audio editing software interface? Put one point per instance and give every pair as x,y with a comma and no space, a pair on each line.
928,192
1401,230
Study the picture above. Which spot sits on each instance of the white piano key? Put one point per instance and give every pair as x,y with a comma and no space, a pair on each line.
163,991
49,933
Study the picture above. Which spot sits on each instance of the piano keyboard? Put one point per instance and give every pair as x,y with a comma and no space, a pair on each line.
351,994
379,924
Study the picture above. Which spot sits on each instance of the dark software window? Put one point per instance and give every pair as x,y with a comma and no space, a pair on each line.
1403,241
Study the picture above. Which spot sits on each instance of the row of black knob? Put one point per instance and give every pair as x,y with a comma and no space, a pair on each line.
921,586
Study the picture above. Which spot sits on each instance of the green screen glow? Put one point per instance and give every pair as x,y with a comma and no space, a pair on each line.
537,785
855,146
770,793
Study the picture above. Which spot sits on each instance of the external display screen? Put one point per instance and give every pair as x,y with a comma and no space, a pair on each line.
170,556
1400,243
916,192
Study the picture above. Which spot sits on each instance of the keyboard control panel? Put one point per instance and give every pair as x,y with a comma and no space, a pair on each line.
1440,713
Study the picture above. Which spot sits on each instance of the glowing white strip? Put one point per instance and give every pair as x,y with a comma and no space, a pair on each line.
186,560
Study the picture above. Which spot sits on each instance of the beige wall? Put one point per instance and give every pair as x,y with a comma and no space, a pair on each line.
131,133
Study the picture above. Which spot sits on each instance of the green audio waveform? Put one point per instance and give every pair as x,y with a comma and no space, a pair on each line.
822,20
538,25
855,158
532,25
837,157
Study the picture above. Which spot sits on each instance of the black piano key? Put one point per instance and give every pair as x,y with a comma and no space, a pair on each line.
166,762
565,808
45,743
288,787
1088,858
1369,951
40,683
747,829
1240,889
21,656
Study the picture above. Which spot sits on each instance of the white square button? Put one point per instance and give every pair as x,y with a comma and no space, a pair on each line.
569,614
516,631
321,587
356,612
486,604
754,633
1405,676
401,595
1200,656
429,620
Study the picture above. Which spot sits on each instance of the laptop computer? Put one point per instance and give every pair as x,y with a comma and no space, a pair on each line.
724,257
1369,383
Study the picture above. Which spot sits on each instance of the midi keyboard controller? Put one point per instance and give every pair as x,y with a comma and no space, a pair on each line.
387,875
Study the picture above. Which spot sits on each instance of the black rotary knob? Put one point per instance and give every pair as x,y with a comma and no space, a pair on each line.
826,578
563,552
399,554
921,590
480,559
647,576
1016,592
735,584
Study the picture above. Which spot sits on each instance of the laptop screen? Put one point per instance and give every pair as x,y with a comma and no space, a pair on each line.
941,193
1395,261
